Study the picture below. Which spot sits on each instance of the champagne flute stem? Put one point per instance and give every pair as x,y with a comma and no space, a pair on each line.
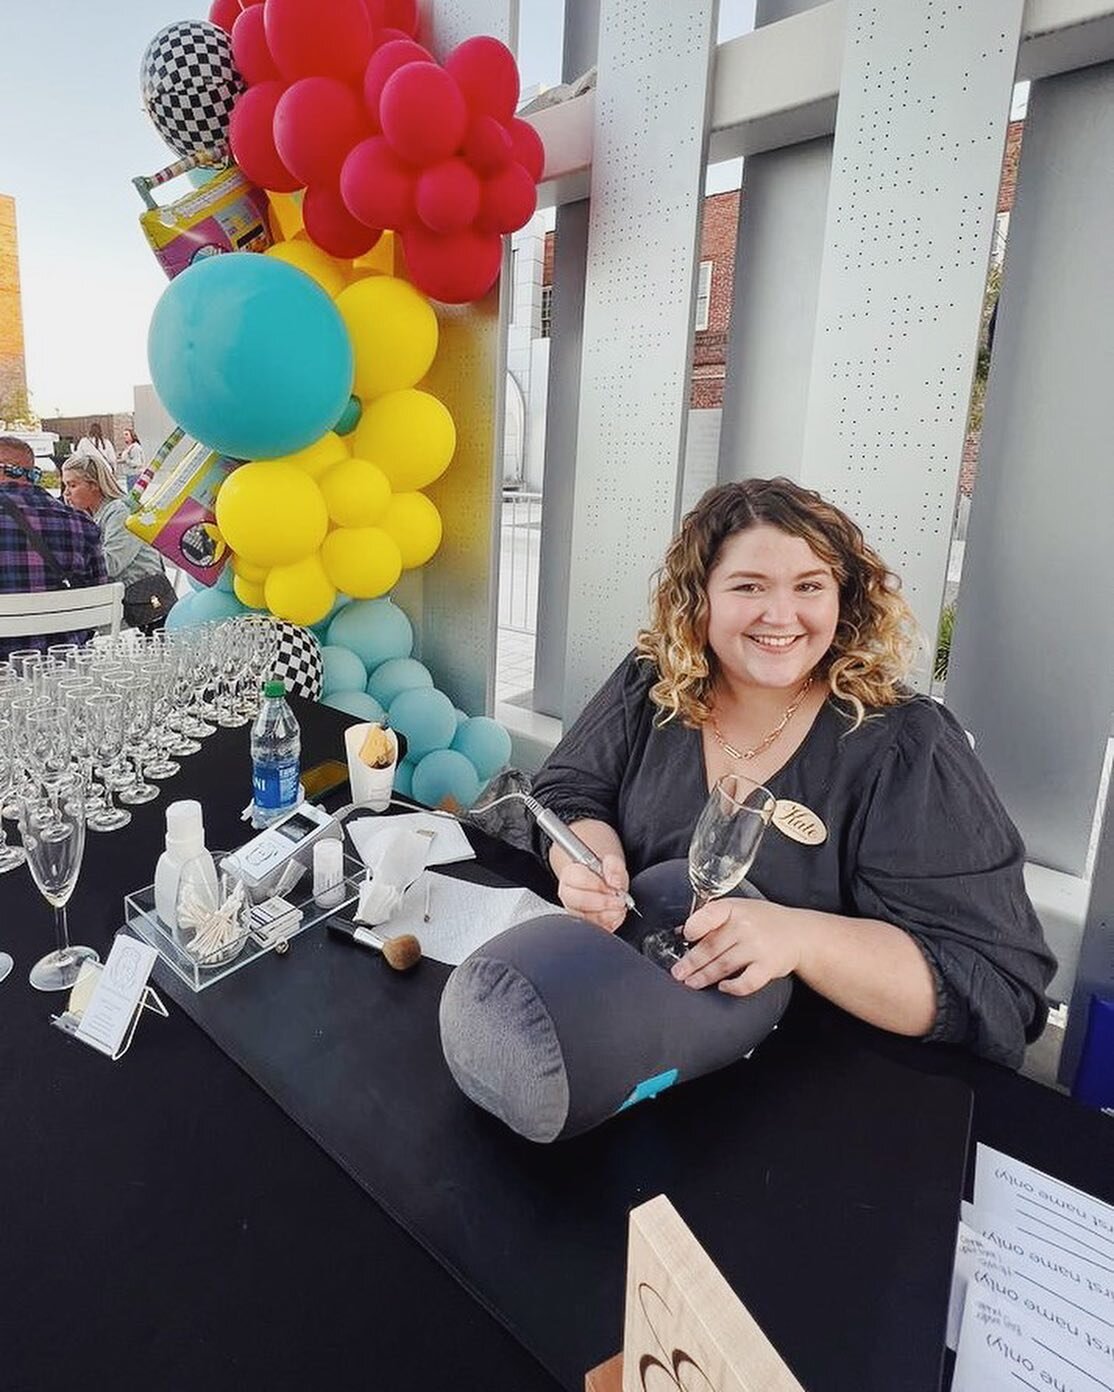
61,930
698,901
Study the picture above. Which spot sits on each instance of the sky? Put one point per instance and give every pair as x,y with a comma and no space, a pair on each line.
73,133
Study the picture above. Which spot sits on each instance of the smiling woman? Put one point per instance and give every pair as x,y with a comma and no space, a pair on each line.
778,647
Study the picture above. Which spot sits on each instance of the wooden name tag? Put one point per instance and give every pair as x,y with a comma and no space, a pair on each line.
799,823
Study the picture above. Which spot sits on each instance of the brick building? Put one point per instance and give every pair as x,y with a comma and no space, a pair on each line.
14,405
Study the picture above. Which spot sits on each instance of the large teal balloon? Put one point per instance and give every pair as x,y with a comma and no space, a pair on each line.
375,630
249,355
445,775
202,607
322,629
396,675
404,778
484,743
357,703
342,671
426,718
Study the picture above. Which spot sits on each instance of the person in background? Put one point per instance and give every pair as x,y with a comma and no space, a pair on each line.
90,486
131,461
95,446
70,538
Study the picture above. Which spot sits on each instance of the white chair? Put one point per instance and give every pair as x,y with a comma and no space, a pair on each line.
62,611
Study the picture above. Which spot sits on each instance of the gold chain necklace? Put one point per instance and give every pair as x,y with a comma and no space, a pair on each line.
790,711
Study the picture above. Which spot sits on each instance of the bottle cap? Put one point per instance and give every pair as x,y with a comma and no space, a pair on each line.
185,831
274,688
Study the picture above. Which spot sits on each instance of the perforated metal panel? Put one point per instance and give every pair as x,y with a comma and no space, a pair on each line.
647,173
452,600
923,110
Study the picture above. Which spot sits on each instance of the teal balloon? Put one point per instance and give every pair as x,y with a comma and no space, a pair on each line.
375,630
204,606
350,416
179,616
485,744
404,778
461,716
357,703
396,675
321,629
445,774
426,718
342,671
224,579
249,355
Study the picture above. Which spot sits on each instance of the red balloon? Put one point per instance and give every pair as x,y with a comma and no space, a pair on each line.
334,229
487,74
423,113
386,36
487,145
448,196
377,188
528,148
455,268
319,38
249,47
317,122
253,144
223,13
402,14
507,201
384,63
376,12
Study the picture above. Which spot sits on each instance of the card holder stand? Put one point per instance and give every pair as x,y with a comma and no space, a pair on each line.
70,1018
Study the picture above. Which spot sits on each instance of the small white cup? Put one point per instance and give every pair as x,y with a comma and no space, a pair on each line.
370,786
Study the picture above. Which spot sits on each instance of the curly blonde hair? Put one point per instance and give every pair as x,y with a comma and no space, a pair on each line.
876,639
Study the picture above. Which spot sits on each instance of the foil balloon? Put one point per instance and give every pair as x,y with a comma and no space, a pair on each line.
190,84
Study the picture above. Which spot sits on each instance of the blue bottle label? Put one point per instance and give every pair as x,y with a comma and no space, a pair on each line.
275,785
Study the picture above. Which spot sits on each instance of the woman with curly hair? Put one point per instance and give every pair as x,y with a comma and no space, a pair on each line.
778,648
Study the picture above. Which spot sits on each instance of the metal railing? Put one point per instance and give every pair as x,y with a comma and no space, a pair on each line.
519,547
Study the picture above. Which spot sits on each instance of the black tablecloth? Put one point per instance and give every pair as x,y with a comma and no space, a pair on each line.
165,1224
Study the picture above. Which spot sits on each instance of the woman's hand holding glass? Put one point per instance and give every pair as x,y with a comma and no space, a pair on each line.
740,945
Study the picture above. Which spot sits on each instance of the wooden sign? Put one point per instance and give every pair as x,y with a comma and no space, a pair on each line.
686,1330
799,823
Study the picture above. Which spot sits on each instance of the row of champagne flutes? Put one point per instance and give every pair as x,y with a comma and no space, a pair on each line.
86,732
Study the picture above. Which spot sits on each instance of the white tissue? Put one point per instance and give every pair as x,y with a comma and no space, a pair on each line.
378,901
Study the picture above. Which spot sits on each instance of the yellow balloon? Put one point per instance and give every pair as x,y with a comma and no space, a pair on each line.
317,264
380,260
254,574
286,214
315,458
249,592
302,592
355,492
414,522
393,331
410,435
363,562
271,513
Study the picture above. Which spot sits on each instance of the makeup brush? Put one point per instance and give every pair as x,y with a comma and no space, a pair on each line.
400,954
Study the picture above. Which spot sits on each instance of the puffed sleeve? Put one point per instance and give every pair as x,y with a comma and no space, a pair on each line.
939,857
581,778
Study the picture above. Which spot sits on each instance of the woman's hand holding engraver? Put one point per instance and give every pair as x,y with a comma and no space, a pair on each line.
582,892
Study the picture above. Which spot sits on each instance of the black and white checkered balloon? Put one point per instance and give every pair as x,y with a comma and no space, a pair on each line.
190,85
298,660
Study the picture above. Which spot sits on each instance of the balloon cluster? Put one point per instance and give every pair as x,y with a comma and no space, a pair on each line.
369,673
343,102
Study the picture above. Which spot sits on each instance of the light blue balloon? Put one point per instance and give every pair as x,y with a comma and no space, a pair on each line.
461,716
396,675
357,703
404,778
445,774
350,416
204,606
375,630
343,671
426,718
224,580
321,629
249,355
485,744
180,613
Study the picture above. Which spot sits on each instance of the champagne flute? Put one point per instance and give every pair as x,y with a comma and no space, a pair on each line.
10,856
52,820
724,843
105,713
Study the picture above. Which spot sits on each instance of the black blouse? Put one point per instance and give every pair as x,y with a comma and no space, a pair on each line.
916,838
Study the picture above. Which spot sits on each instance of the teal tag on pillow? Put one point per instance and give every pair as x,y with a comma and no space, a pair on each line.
650,1087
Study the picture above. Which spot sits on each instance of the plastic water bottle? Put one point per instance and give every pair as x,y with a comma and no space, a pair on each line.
276,748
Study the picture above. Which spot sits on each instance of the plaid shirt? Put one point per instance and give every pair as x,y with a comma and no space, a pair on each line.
72,538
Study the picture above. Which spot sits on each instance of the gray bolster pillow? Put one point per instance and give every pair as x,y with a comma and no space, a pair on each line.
556,1025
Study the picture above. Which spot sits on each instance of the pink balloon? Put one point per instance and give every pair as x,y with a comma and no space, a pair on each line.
384,63
455,268
317,122
528,148
487,144
333,228
507,201
402,14
377,188
423,113
448,196
318,38
223,13
253,144
249,47
487,74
